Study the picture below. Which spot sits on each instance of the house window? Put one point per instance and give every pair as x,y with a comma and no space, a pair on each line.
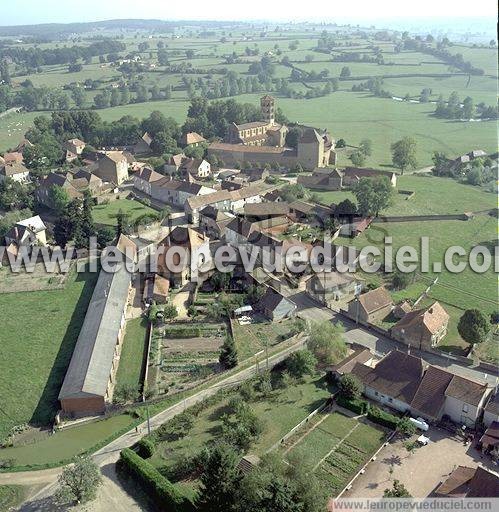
376,393
465,408
390,399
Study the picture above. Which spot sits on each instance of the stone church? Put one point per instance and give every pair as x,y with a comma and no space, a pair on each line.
263,142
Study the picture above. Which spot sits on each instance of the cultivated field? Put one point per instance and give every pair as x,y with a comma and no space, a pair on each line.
334,446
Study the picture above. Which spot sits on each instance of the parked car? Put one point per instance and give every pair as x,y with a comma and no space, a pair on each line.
420,423
423,440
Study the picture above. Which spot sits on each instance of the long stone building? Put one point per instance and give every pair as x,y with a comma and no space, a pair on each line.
89,382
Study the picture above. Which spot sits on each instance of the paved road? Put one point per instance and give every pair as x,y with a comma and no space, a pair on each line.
112,497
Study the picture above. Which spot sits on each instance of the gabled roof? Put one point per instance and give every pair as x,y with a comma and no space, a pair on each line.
34,224
91,363
76,142
266,208
147,138
432,318
193,138
13,157
397,375
149,175
271,299
310,135
484,484
430,395
376,299
466,390
115,156
11,169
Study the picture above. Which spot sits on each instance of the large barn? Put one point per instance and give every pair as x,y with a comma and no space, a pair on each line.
89,381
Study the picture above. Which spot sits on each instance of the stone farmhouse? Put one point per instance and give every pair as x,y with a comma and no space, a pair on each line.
143,145
405,383
263,142
195,167
224,200
192,139
27,232
422,328
371,307
337,179
89,382
112,167
74,183
15,171
197,259
275,306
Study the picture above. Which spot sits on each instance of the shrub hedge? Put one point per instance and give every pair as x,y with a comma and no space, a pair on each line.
356,405
146,448
162,492
381,417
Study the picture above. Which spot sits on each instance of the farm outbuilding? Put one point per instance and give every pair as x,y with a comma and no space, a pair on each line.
89,381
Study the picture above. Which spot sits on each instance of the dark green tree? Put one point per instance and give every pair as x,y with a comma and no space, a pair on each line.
473,326
228,353
219,480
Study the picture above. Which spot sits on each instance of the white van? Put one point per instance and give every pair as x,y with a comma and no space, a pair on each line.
420,423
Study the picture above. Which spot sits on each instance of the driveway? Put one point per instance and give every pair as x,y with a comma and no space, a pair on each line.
421,472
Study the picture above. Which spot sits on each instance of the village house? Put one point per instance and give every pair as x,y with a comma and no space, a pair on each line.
357,354
88,386
74,183
156,290
214,222
112,167
195,167
275,306
489,442
224,200
143,145
491,411
75,146
371,307
177,193
465,482
74,149
422,328
15,171
193,265
27,232
13,157
322,179
329,287
174,163
405,383
192,139
144,178
265,210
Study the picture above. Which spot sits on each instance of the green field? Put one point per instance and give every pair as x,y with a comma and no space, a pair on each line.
67,443
348,115
432,195
106,213
39,331
132,354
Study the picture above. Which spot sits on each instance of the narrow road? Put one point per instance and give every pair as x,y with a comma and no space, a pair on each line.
112,497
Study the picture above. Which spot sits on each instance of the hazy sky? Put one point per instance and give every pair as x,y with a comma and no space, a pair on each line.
18,12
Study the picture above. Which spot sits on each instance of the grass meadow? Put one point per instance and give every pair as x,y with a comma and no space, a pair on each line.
38,334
